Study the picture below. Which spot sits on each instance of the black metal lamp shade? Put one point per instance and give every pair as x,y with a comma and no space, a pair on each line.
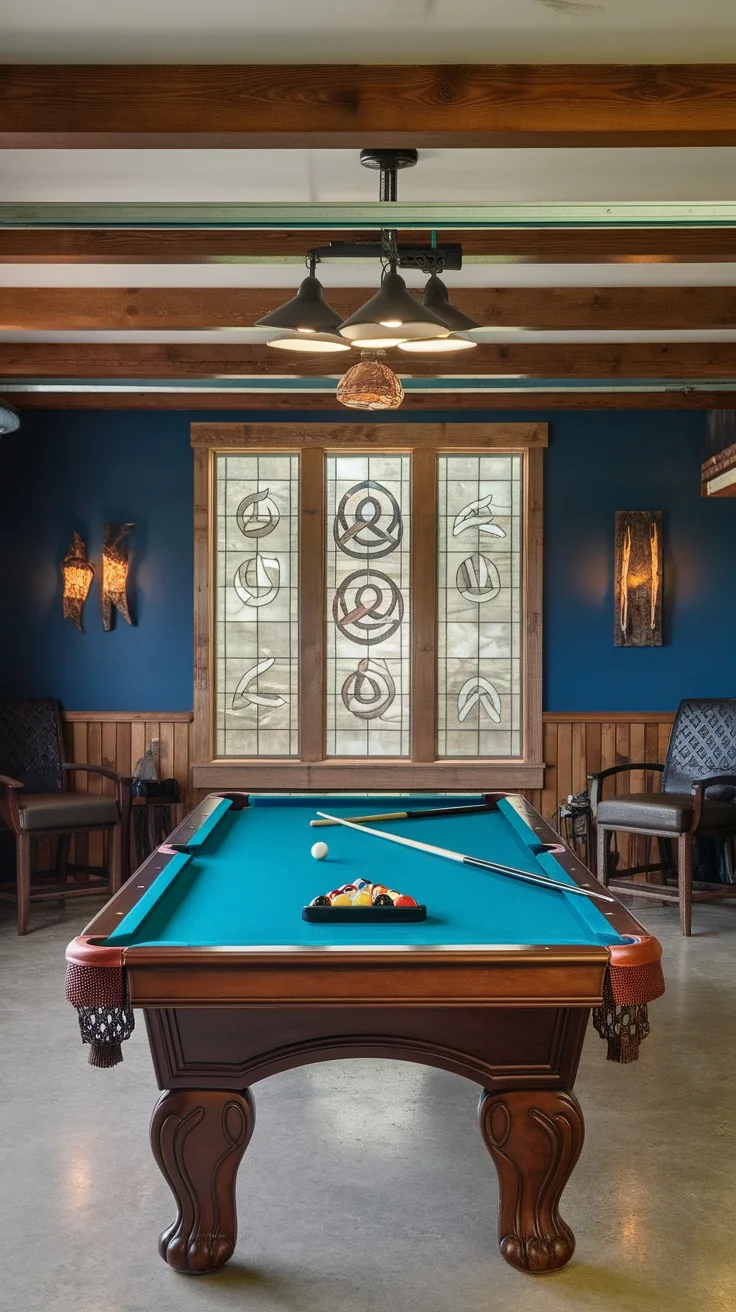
307,312
436,299
392,316
304,341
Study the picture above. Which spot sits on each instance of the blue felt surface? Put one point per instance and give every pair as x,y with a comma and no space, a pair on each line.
248,882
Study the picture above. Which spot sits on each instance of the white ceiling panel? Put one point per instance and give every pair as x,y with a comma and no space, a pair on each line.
381,31
258,336
365,275
283,176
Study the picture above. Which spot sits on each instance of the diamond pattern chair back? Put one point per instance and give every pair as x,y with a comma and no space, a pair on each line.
31,743
703,742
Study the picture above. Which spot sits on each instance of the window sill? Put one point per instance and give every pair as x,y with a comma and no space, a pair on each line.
380,773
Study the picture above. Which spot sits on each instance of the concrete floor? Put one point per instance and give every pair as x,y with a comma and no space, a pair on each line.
366,1185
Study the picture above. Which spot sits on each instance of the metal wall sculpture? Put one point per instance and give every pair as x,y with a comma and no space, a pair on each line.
480,604
638,578
368,564
115,574
256,605
78,574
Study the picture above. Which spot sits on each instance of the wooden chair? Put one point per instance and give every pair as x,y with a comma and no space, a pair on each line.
698,800
36,803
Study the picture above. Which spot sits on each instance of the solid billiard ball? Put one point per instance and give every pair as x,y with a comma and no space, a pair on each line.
405,901
362,900
321,901
383,900
319,851
342,900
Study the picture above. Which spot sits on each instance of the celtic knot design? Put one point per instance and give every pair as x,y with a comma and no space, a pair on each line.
368,607
257,515
478,579
246,696
257,580
369,690
477,515
366,505
479,692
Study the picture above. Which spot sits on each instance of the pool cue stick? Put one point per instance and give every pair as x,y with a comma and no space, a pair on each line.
524,875
406,815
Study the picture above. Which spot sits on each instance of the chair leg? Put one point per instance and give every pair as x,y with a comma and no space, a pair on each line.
23,870
124,826
603,845
685,881
63,848
665,859
115,858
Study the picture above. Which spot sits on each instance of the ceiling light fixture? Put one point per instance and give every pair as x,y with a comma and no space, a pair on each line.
392,316
302,340
307,322
436,298
370,385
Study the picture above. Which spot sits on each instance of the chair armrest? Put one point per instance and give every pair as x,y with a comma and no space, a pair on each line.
699,798
7,782
122,782
595,781
9,808
95,769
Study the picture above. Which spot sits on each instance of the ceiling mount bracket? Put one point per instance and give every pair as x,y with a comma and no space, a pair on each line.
388,162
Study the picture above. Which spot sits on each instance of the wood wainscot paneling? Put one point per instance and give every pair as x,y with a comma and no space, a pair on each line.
118,739
575,745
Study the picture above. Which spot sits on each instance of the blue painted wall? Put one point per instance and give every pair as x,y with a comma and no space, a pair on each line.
63,471
67,469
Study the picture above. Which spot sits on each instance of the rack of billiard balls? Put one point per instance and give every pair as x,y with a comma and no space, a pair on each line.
362,902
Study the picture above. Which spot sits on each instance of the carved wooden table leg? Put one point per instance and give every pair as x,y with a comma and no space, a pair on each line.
534,1137
198,1139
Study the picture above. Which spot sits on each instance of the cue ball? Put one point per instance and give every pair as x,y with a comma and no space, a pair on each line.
319,851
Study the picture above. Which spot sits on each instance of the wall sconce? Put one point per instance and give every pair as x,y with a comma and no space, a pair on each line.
638,578
115,573
78,575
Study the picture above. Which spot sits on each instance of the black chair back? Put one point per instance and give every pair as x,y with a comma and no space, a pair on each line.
31,747
703,742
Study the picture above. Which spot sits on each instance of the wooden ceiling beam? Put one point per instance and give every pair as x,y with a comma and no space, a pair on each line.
262,404
39,309
536,245
688,361
266,106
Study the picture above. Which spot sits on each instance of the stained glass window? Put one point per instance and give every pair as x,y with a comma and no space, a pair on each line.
479,605
256,605
368,604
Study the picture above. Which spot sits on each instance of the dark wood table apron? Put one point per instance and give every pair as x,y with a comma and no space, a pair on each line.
461,1014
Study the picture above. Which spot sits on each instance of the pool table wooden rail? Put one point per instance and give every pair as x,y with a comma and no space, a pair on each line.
486,975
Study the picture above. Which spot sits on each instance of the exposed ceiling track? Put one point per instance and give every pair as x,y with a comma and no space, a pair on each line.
429,259
447,385
369,216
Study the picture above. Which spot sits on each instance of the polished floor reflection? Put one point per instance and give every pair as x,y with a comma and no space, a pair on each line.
366,1185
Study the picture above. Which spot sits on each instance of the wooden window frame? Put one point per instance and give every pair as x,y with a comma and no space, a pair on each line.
312,770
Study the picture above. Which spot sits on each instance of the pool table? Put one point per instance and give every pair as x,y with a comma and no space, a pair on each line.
497,984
